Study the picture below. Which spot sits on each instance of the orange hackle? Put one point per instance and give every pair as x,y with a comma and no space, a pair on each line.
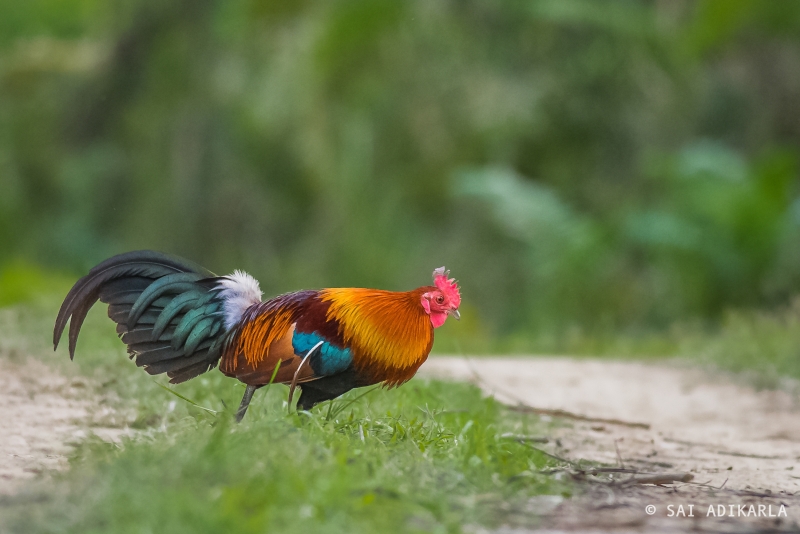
389,333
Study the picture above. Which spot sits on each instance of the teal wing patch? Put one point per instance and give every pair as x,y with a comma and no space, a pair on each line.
328,359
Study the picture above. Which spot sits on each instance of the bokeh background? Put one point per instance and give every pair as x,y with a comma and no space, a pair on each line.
598,175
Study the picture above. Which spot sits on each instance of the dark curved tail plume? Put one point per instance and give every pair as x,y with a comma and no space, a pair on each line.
165,309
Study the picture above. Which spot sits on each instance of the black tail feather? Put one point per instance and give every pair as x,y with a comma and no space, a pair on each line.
142,263
138,287
187,373
158,355
177,364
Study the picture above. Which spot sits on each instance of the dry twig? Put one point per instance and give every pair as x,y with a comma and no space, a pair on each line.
746,455
658,479
524,408
522,438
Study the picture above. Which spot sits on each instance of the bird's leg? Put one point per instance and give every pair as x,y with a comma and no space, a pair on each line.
297,373
248,396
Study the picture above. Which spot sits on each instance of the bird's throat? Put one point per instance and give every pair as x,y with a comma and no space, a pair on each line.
437,318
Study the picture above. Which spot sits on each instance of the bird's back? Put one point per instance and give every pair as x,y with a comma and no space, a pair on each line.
369,335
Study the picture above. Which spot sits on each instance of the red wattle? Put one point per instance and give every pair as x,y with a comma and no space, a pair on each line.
438,319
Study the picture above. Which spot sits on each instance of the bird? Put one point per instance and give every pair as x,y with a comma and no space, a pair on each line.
178,318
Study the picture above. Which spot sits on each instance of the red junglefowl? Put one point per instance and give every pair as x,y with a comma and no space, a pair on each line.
179,318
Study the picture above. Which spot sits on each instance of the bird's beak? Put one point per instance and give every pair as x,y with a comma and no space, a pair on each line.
454,314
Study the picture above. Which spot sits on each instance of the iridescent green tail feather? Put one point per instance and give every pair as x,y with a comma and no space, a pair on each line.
167,311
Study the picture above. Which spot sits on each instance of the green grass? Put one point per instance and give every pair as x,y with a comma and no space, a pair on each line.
762,346
426,457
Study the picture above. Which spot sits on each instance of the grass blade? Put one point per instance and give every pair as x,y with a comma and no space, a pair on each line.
187,399
351,401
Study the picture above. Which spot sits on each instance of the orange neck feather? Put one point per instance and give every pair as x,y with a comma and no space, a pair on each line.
389,332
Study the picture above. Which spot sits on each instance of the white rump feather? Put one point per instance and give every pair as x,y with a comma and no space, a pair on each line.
238,292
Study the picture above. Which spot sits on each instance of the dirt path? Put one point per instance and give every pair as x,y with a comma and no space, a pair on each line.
727,435
41,415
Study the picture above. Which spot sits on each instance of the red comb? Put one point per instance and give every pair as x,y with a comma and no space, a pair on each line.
448,286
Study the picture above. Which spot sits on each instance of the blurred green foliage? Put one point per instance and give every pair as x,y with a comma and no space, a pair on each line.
761,346
582,167
29,283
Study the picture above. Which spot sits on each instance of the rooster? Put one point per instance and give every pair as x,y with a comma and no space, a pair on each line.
178,318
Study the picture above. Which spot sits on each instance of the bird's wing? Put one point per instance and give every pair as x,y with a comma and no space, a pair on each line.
281,333
329,356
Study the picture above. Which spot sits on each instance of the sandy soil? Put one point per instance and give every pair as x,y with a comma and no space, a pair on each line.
727,435
42,414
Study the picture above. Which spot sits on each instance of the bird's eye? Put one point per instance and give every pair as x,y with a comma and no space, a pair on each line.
440,300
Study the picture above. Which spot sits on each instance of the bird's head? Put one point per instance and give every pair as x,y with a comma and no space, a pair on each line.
442,299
